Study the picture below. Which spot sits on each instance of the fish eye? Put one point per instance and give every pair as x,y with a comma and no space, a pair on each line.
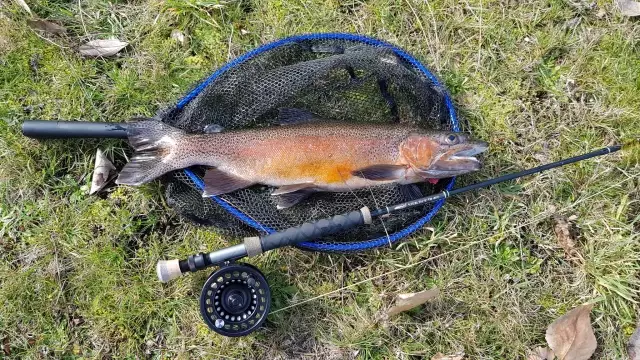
452,139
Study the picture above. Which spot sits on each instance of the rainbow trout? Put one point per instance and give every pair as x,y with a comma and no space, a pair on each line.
300,159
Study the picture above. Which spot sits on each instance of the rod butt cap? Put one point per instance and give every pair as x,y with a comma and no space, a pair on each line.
168,270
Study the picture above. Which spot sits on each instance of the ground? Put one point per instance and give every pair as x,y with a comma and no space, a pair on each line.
539,80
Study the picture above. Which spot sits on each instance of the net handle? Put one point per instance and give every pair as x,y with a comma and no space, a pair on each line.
42,129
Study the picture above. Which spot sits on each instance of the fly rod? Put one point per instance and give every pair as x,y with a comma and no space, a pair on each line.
310,231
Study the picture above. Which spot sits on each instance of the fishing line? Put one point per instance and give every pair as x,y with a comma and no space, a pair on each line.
536,219
265,230
386,232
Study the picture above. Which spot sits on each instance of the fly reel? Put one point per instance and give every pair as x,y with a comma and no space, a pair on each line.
235,300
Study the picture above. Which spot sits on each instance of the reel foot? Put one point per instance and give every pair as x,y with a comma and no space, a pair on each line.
235,300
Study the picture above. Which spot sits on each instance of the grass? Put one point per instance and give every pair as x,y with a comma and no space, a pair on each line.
539,80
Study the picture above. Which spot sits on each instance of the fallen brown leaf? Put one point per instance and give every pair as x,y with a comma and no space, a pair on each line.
566,239
571,335
633,346
541,353
6,346
441,356
104,48
101,172
405,302
629,8
47,26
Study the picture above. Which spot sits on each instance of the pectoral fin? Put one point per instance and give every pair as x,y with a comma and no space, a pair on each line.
381,172
217,182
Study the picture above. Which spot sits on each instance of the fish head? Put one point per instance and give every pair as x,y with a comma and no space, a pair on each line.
443,154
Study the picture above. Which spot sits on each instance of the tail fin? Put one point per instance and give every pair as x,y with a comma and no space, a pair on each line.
154,144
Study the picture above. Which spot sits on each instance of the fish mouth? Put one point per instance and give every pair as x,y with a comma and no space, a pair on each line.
457,159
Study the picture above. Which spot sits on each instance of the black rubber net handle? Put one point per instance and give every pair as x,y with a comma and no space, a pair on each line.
310,231
41,129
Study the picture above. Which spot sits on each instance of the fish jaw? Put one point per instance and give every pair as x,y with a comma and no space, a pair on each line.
456,160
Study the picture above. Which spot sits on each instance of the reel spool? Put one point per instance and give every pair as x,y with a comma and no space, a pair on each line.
235,300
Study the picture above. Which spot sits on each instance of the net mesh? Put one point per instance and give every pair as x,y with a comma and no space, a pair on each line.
338,79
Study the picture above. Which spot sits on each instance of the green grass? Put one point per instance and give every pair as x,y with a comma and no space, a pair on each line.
539,80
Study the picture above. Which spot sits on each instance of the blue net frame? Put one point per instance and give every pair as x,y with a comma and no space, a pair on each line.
324,246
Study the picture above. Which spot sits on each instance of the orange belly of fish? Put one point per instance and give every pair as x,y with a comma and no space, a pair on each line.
327,172
322,160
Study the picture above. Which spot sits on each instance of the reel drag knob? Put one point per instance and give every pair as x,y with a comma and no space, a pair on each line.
235,300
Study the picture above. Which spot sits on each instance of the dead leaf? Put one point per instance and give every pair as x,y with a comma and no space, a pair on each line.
24,5
441,356
565,237
101,172
633,346
104,48
47,26
571,335
6,346
541,353
629,8
178,36
405,302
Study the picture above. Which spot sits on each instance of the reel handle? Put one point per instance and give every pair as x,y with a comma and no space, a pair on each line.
42,129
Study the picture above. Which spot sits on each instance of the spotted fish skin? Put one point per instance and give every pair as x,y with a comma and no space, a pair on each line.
316,156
